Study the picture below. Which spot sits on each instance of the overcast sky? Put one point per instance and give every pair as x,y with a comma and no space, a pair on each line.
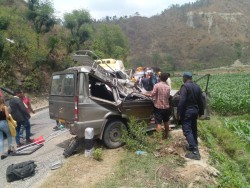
101,8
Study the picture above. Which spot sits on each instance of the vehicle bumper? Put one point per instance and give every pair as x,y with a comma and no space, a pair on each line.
78,128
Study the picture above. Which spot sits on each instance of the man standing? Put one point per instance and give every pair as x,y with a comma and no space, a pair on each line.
27,104
161,92
21,115
169,81
189,107
146,83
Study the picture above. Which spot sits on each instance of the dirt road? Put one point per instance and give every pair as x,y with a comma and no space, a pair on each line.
50,153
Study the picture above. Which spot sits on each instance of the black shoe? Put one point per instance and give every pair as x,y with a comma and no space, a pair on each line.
10,152
193,155
56,128
187,147
3,156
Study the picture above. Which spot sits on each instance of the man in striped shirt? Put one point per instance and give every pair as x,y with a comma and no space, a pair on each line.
161,93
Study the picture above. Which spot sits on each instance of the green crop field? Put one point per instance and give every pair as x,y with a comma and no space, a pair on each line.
241,127
229,93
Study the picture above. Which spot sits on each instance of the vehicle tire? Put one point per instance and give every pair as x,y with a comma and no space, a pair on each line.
113,133
72,147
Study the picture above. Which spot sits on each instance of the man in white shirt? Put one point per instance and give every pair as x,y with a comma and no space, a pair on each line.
169,81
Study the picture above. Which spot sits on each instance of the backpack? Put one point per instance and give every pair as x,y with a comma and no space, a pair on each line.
20,170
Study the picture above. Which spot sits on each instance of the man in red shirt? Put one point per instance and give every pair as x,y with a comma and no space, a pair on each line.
161,92
27,104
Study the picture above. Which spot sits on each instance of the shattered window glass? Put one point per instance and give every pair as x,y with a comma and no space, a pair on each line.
100,89
63,84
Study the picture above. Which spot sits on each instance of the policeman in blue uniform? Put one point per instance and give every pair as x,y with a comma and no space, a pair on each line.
189,108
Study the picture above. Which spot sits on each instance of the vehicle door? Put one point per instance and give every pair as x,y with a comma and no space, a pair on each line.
137,105
63,96
203,82
103,95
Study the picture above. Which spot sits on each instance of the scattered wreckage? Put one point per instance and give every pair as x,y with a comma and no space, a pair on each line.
91,96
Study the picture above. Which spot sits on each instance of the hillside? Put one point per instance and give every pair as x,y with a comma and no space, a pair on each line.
205,34
34,43
195,36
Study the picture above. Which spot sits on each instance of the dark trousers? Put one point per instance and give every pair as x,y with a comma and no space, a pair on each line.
26,125
189,127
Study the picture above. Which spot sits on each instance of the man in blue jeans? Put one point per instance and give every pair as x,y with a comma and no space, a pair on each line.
21,115
189,108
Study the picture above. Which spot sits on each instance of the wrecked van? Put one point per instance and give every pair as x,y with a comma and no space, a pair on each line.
90,96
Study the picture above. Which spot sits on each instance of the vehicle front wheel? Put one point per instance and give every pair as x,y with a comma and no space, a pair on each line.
113,133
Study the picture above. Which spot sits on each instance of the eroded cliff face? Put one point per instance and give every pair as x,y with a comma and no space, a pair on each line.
211,18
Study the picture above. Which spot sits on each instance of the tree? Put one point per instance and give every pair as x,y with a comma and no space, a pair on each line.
111,41
238,50
78,22
41,13
137,14
156,59
4,22
171,62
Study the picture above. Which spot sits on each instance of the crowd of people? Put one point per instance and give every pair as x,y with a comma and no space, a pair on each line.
20,108
190,107
158,86
148,80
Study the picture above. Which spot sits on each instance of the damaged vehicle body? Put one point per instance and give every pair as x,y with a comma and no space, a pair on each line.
90,96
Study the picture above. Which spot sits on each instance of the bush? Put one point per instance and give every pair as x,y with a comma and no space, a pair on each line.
97,154
228,153
136,138
4,23
8,78
33,82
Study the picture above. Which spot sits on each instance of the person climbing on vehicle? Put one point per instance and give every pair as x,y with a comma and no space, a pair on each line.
153,78
147,83
161,92
189,108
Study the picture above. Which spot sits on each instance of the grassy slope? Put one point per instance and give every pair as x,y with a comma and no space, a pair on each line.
229,153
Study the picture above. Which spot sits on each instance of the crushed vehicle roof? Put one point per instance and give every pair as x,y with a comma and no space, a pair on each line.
91,64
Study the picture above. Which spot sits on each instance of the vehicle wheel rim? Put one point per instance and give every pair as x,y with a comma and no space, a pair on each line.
115,134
